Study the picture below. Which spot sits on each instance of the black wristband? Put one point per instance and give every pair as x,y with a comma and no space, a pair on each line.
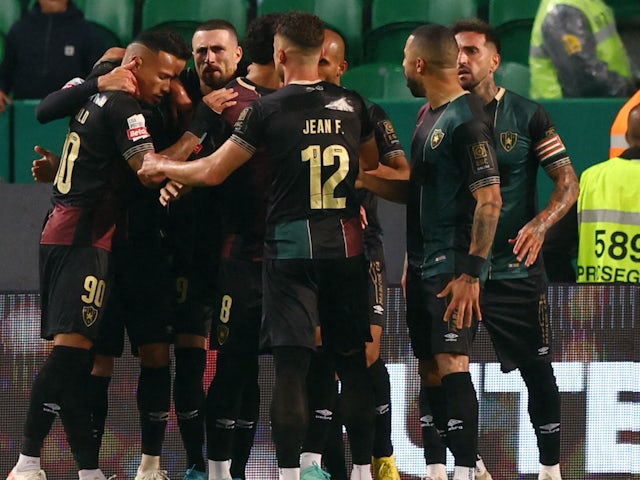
472,265
203,120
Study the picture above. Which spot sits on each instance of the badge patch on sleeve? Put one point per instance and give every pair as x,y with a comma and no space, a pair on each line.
390,134
571,44
243,118
137,127
480,156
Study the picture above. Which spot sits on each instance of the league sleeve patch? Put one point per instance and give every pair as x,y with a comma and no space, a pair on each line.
243,120
480,156
137,127
571,44
390,135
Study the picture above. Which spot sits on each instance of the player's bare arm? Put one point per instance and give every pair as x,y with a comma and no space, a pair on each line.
148,180
464,291
369,154
211,170
393,190
528,242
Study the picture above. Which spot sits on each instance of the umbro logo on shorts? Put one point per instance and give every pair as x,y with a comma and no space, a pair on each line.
450,337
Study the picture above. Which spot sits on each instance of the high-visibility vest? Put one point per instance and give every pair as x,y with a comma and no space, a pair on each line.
619,127
609,222
609,46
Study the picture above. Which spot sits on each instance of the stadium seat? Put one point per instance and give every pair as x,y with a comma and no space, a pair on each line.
514,76
5,151
513,20
10,12
272,6
346,17
447,12
385,12
114,18
377,80
27,132
386,44
188,14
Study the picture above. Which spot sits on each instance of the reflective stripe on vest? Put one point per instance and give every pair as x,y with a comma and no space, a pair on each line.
609,222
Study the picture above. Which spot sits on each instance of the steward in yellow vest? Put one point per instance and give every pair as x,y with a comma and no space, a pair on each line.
576,51
609,215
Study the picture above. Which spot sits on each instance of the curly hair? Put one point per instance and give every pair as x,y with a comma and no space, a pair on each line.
258,44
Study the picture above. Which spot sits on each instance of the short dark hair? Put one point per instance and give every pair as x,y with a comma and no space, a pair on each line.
217,24
437,44
166,41
478,26
258,44
305,30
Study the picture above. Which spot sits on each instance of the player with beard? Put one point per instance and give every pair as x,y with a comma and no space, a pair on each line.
453,204
514,302
313,250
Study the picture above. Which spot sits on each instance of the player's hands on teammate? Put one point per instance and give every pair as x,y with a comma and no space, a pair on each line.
172,191
4,101
44,168
120,78
151,170
464,300
220,99
528,242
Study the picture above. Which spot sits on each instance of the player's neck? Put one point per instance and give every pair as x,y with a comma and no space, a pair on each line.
443,93
264,75
301,74
487,91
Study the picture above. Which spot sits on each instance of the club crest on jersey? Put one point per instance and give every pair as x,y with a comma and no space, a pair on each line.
137,127
436,138
89,315
223,334
508,140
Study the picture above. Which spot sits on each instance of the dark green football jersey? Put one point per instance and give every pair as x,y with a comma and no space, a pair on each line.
452,156
525,139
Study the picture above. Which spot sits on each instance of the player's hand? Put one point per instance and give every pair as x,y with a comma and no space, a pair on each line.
4,101
172,191
44,168
464,300
220,99
180,103
528,242
113,54
364,221
151,170
120,78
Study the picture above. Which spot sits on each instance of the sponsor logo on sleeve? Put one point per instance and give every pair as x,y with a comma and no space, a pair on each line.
137,128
